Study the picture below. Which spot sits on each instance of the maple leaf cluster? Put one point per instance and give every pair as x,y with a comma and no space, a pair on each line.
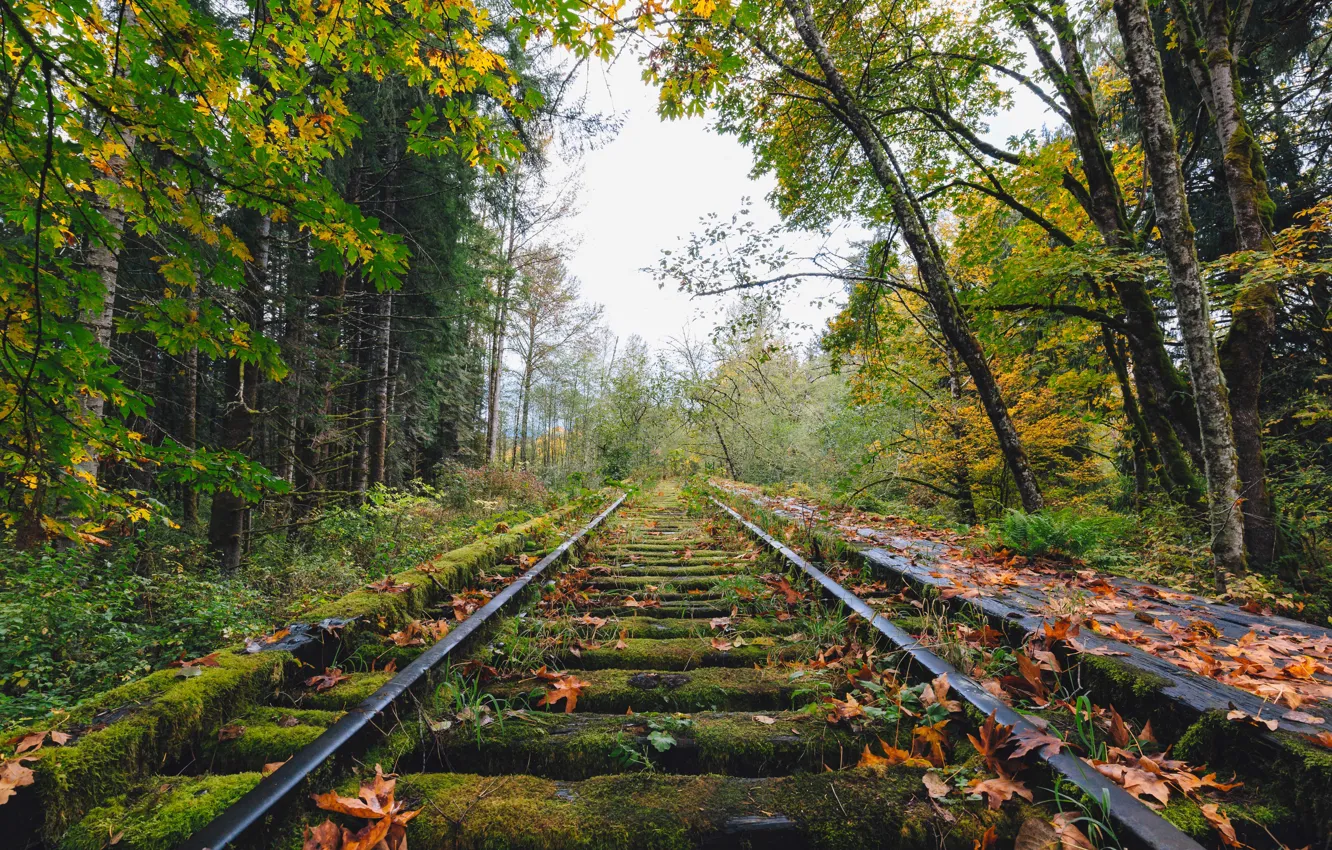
560,686
465,604
387,827
418,632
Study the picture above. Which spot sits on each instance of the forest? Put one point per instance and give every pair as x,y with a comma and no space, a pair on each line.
288,303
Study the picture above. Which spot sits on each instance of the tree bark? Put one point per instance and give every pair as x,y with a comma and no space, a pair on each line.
1254,312
1172,218
228,520
966,503
190,436
379,377
927,254
1164,396
103,255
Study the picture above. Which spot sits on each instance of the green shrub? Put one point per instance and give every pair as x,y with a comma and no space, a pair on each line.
1060,534
77,621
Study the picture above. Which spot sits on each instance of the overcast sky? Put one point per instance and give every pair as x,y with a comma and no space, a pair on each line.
646,190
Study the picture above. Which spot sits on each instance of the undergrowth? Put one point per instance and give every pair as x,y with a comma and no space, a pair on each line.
76,621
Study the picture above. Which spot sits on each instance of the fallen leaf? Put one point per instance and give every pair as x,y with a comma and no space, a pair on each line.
328,679
927,742
1220,821
31,742
764,719
935,785
1000,790
230,733
1032,739
326,836
387,585
565,687
1070,836
1302,717
994,737
272,766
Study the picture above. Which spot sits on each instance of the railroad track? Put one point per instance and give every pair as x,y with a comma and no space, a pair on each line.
687,681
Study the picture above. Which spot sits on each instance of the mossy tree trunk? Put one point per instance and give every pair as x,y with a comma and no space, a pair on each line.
925,250
1172,217
1208,51
1163,394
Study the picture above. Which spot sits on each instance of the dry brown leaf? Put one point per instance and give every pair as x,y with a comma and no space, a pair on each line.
272,766
326,836
999,790
935,785
328,679
1220,821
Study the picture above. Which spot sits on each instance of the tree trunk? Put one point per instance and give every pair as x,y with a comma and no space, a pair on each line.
1254,312
1163,394
379,379
927,254
104,258
228,520
966,503
190,435
1172,218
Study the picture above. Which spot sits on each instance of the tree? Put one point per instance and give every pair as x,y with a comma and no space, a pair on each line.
756,44
1172,217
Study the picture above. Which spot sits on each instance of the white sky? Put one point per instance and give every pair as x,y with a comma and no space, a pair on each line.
647,189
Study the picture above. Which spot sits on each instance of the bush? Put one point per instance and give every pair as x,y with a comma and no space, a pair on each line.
1059,534
77,621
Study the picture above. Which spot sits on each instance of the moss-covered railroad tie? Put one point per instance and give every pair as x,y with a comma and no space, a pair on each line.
672,686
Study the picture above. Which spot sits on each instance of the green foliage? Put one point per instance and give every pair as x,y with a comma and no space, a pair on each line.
1062,533
77,621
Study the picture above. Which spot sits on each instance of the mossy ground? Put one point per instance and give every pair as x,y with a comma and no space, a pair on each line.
578,746
162,817
652,811
705,689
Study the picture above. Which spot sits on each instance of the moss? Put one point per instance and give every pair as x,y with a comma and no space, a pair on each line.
376,655
160,819
667,609
713,688
676,627
71,780
683,654
1123,685
1283,774
655,574
345,695
579,746
637,583
657,811
261,744
449,571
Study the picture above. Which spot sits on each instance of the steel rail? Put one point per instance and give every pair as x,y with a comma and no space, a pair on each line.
230,826
1147,828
